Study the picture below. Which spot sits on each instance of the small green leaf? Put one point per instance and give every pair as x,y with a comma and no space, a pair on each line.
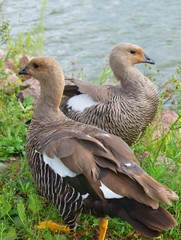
10,235
34,203
21,213
5,207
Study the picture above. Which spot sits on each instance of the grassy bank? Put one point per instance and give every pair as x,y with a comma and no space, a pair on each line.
21,206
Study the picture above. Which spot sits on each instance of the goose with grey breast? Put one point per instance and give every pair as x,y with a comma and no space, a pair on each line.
124,109
81,168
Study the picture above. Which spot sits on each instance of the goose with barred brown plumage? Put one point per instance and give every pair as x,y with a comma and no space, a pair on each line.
79,167
124,109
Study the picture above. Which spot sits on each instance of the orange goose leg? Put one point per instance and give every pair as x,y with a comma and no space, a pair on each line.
54,227
103,224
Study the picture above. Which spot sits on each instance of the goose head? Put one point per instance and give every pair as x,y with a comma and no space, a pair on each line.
50,75
43,69
126,55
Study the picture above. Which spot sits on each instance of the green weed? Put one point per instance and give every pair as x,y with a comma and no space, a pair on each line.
13,130
28,42
4,32
105,75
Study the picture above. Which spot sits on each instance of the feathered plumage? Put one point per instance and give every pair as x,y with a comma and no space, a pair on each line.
79,167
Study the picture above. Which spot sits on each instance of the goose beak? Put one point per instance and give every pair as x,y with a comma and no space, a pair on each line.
148,60
23,71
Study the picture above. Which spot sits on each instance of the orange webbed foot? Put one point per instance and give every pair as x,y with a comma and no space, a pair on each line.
54,227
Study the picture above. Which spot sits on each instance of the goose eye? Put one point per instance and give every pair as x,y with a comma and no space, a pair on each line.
132,51
35,65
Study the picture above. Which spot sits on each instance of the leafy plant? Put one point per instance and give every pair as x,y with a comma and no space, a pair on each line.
13,129
4,32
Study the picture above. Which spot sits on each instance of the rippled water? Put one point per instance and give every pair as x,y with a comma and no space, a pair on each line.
85,31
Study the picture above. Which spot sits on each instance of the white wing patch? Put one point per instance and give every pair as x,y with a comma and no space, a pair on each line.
108,193
58,167
80,102
128,164
106,135
85,196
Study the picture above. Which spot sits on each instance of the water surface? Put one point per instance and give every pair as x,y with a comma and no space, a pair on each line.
84,32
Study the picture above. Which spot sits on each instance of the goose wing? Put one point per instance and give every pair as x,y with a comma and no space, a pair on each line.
102,165
98,93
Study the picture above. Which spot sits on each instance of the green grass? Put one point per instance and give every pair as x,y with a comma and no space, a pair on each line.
13,117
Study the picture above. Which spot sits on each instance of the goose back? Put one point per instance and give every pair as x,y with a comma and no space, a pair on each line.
124,109
125,114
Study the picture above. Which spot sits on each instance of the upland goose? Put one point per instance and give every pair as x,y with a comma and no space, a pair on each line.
79,167
124,109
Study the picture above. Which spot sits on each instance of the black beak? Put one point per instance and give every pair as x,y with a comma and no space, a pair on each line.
23,71
148,60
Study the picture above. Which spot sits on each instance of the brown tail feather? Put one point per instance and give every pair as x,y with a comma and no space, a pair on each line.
152,188
149,222
155,190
